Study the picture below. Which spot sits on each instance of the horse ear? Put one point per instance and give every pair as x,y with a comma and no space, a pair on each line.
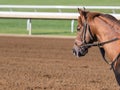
82,12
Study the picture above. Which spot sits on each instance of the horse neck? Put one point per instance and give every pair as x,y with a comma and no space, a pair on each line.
103,33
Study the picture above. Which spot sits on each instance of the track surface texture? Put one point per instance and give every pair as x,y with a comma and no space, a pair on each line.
36,63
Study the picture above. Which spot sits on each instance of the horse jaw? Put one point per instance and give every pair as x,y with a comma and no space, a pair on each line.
117,71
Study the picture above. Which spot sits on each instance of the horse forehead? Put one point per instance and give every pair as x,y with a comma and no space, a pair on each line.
79,20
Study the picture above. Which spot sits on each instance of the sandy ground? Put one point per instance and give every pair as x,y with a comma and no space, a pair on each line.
36,63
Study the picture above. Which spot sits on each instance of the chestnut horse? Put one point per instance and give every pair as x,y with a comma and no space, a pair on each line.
102,30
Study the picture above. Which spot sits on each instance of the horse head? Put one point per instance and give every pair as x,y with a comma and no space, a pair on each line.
84,34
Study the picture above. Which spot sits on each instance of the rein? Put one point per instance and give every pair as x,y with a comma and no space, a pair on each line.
102,51
99,44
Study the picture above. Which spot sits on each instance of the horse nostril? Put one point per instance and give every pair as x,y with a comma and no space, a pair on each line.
75,43
74,52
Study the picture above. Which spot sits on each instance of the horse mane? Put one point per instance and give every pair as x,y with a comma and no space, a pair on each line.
91,15
111,18
106,17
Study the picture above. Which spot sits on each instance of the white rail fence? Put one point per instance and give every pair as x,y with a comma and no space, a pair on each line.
48,15
59,8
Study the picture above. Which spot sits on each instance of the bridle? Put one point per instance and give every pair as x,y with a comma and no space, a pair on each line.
86,28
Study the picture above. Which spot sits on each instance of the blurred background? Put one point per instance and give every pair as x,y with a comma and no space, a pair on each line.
45,26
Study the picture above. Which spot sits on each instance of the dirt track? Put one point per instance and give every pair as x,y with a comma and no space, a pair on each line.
29,63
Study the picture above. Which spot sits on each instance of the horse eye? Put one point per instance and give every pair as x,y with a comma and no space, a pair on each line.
78,28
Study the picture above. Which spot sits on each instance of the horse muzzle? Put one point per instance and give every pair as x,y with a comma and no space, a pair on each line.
79,51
